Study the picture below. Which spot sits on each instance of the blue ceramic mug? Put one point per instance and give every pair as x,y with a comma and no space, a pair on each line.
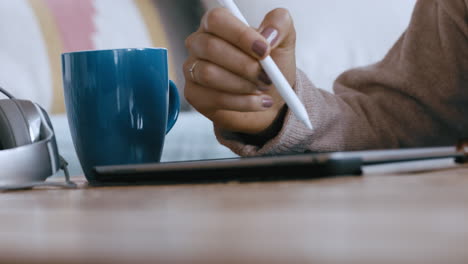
120,105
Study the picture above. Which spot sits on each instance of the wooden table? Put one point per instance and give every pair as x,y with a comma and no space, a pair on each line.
385,216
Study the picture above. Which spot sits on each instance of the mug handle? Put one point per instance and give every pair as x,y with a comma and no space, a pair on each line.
174,106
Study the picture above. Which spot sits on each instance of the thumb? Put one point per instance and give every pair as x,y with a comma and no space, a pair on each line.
278,29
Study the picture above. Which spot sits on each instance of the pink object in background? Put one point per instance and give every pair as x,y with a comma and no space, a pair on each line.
75,23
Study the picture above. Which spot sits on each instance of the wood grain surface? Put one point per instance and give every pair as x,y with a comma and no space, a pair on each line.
389,215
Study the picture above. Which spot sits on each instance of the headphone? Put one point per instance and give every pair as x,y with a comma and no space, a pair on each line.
28,150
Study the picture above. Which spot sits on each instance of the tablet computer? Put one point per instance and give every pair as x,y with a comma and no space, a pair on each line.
264,168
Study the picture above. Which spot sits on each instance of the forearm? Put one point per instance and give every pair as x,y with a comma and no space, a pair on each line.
416,96
338,125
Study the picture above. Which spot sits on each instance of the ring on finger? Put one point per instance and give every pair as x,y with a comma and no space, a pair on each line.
192,70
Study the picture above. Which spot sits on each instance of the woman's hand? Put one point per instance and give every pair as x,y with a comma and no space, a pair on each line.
224,79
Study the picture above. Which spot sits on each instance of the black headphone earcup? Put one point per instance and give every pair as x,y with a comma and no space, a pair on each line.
14,129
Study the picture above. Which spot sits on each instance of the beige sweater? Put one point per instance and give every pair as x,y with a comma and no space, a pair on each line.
416,96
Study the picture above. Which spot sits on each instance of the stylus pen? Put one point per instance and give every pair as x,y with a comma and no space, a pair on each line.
278,79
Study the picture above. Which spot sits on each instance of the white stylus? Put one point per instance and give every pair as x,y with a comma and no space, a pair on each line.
278,79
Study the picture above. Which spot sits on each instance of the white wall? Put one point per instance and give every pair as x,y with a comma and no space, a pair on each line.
24,64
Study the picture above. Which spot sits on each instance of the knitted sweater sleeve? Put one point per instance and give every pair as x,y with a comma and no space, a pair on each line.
416,96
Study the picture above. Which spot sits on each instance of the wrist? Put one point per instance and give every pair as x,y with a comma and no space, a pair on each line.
261,138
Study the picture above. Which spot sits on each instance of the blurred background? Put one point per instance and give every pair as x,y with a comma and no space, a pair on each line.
333,36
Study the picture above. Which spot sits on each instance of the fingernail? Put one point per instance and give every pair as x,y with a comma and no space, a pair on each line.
271,35
260,48
263,88
263,77
267,102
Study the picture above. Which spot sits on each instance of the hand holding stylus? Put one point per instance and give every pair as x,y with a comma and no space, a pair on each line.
224,78
274,72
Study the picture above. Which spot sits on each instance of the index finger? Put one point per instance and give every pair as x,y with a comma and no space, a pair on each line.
223,24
